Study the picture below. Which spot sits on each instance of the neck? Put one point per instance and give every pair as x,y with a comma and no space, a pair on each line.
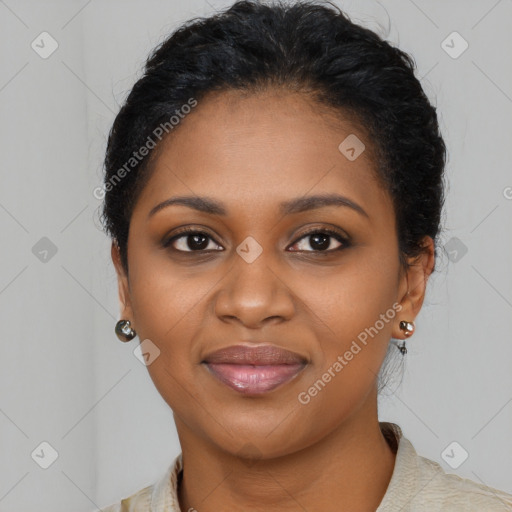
349,469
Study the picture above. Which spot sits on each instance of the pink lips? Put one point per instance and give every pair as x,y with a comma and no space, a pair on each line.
254,370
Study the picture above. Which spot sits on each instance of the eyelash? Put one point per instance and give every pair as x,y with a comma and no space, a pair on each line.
323,231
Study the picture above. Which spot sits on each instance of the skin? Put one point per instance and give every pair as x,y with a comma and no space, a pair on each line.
251,152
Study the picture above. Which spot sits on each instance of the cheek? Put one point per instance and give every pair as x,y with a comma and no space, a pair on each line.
169,309
352,299
352,315
166,303
355,316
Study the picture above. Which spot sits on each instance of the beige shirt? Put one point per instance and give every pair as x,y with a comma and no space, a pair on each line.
417,485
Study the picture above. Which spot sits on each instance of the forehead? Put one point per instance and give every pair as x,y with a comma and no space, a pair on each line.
254,150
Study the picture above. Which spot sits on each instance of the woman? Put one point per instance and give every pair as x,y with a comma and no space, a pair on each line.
274,186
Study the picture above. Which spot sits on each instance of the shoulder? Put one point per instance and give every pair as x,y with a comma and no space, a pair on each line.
419,484
158,497
138,502
451,490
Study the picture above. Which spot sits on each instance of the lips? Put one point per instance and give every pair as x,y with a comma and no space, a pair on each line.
254,369
258,355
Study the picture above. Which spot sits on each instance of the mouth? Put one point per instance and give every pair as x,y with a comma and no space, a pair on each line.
254,370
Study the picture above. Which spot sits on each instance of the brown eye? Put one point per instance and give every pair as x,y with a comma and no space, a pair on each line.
321,240
189,240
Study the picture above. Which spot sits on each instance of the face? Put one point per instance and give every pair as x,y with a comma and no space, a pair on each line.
267,266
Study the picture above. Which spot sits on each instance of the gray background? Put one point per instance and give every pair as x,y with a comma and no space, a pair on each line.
67,380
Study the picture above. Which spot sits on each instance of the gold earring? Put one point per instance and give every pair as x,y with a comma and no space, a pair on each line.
124,331
408,328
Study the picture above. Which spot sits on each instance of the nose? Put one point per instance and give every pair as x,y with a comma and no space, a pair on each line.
254,294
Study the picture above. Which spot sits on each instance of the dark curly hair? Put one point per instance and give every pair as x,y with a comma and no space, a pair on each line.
303,47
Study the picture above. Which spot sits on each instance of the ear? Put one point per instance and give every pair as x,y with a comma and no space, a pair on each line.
413,285
123,285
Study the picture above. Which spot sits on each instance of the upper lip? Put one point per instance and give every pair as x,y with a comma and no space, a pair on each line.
265,354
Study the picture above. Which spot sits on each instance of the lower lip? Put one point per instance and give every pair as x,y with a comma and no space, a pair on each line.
250,379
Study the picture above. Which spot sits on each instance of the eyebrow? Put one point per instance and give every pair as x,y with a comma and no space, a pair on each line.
297,205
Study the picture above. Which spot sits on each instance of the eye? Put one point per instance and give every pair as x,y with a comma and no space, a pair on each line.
190,240
320,240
